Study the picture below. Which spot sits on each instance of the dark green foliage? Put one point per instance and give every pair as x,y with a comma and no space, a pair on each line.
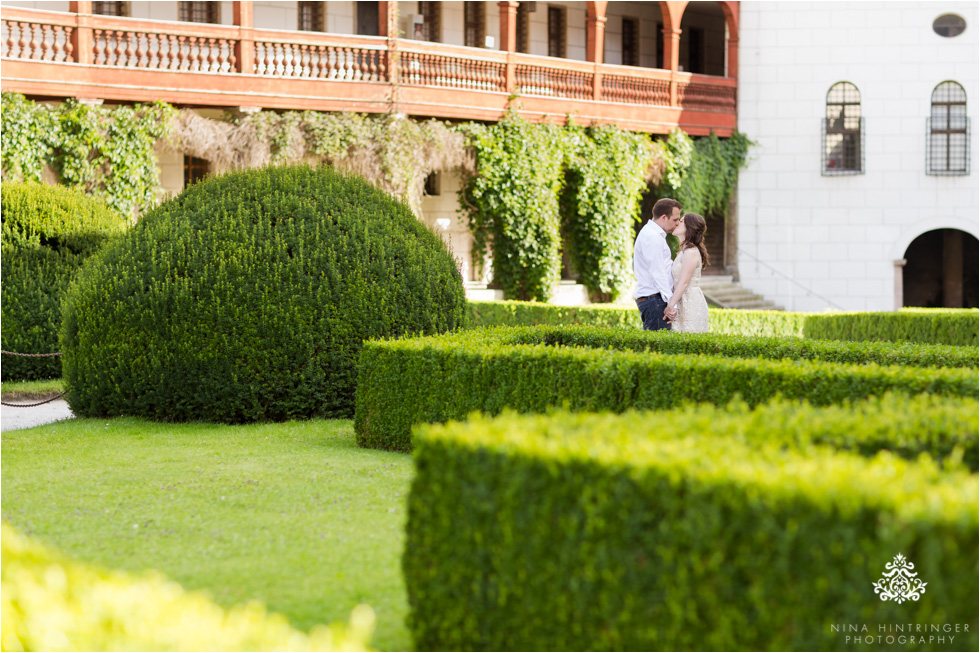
48,232
512,202
772,348
423,380
600,532
939,325
247,298
600,204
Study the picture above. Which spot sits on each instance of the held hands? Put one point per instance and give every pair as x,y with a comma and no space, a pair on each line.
670,313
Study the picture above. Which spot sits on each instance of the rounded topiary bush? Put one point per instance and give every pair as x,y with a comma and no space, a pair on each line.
47,233
247,297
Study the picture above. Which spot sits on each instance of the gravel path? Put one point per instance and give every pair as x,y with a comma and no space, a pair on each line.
12,418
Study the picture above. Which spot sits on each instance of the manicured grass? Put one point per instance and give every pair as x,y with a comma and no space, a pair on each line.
293,514
17,390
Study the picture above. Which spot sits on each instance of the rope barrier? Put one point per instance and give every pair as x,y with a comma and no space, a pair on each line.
13,353
40,403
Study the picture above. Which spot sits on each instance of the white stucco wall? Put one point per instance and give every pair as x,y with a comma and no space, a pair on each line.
838,237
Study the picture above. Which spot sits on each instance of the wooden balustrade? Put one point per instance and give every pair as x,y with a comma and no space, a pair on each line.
161,51
37,41
319,61
436,77
447,71
701,96
635,90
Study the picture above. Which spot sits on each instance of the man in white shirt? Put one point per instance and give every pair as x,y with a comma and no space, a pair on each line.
651,265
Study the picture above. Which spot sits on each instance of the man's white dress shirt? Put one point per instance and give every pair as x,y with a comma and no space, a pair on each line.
651,263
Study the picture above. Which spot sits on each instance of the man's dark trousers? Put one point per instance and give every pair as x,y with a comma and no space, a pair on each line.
652,312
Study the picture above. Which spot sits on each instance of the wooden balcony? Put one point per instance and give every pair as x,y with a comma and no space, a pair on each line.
56,55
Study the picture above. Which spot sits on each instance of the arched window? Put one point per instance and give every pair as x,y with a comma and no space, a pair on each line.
948,132
842,131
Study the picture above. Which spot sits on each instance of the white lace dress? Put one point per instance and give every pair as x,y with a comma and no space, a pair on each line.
692,309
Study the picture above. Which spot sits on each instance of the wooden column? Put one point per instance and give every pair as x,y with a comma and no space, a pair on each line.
382,18
81,36
508,40
952,269
733,58
594,42
672,50
243,17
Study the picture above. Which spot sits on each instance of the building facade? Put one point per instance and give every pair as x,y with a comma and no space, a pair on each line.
861,193
645,66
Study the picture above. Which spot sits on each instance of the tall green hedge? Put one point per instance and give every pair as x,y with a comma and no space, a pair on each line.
602,532
247,298
422,380
47,233
53,603
937,326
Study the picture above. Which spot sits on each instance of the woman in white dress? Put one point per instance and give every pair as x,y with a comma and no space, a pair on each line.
692,309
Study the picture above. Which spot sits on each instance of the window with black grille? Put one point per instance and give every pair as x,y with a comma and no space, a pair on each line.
843,153
432,18
631,41
310,17
474,24
195,169
198,12
948,132
524,27
556,32
110,8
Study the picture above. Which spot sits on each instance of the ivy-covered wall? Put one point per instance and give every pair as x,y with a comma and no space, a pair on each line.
529,191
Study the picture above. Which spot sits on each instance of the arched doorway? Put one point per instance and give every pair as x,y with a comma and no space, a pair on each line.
941,270
703,46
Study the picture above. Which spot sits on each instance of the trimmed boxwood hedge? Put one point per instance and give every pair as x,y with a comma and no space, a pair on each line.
47,233
435,379
943,428
601,532
775,348
53,603
247,297
937,326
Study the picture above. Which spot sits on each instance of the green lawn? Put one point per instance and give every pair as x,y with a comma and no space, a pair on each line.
294,514
20,390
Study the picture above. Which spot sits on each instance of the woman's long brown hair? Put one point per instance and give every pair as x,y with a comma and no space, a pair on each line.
694,238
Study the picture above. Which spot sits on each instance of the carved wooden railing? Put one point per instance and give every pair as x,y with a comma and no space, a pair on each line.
38,39
163,51
66,38
312,56
451,70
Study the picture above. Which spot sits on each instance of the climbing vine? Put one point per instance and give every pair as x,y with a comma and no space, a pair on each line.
606,170
106,152
512,203
701,174
390,150
526,185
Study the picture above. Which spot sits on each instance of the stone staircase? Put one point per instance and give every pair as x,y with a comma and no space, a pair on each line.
724,292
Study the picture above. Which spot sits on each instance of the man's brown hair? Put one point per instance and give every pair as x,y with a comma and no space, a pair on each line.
664,207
